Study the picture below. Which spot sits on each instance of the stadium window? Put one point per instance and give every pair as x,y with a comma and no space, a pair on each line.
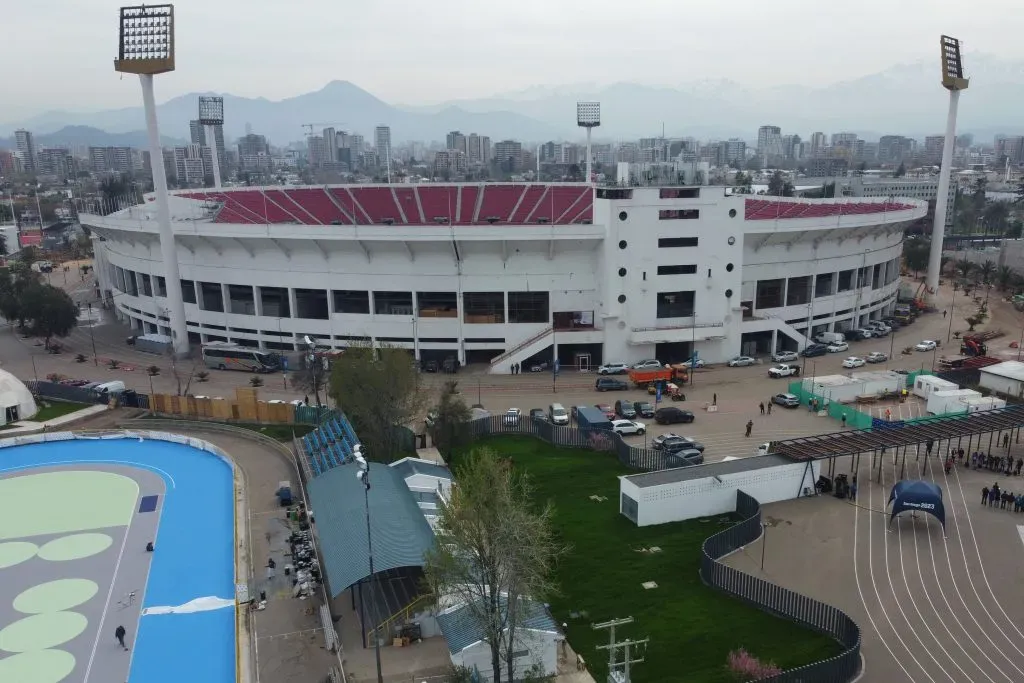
679,193
677,270
188,291
528,307
675,304
670,242
678,214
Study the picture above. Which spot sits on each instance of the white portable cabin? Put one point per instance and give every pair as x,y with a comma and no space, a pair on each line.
950,402
979,403
1006,378
846,388
926,385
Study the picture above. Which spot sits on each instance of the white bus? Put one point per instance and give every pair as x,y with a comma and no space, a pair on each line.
224,356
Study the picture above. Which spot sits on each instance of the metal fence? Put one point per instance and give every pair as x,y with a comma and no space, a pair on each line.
645,459
780,601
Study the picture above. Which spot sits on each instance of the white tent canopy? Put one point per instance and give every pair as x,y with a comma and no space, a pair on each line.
15,399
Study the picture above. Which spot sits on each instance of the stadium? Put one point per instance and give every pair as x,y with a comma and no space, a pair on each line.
501,273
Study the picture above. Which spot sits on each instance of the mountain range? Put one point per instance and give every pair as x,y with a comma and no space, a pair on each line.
905,99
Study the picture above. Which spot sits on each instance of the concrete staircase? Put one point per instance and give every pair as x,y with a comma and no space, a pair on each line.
503,364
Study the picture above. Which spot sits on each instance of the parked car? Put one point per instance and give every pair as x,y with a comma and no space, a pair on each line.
838,347
649,364
829,337
431,366
690,363
866,333
644,408
784,371
684,458
657,441
613,369
671,415
786,400
876,357
785,356
512,416
926,345
742,361
624,409
608,411
880,325
539,366
610,384
857,335
628,427
538,415
853,362
879,330
679,443
813,350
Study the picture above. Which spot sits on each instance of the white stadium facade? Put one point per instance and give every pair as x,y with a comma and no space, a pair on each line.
509,273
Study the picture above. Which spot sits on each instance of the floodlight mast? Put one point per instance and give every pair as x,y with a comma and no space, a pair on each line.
146,48
211,115
588,115
952,80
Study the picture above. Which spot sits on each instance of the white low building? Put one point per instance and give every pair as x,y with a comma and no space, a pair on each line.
846,388
926,385
702,490
1005,378
950,402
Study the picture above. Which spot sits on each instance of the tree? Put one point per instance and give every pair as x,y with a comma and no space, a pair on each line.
978,318
379,391
15,280
28,255
310,377
152,371
900,171
915,254
49,312
986,270
964,267
450,429
776,184
3,244
494,553
1014,229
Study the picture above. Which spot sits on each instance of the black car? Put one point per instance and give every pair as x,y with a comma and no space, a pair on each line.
624,409
814,350
684,458
538,415
610,384
431,366
644,408
674,444
670,416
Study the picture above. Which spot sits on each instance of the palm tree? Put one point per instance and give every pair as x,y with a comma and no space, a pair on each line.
986,270
1004,277
964,267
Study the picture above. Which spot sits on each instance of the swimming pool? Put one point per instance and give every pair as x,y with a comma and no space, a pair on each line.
183,626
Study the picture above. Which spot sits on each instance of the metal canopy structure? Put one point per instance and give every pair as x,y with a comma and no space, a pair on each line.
891,435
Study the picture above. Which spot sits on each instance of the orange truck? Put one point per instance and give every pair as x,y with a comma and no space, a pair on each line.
643,378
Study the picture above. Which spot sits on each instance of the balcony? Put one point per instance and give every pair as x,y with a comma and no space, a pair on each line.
682,332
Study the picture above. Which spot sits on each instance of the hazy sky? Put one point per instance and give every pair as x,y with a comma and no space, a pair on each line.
58,54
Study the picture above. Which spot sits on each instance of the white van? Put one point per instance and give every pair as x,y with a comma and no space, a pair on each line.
829,337
557,414
108,388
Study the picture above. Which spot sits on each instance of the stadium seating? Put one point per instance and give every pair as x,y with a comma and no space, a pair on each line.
438,201
467,210
499,200
534,193
407,200
331,444
319,204
379,203
767,209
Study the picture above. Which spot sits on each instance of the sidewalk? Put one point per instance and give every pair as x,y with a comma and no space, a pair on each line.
24,427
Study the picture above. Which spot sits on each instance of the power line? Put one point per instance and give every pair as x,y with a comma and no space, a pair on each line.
619,671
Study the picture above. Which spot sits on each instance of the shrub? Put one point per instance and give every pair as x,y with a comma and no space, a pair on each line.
80,358
202,376
256,382
746,667
113,364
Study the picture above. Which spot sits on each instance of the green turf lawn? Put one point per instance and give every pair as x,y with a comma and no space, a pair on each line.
692,627
54,409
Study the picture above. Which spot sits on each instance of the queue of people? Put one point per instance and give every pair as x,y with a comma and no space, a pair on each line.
1004,500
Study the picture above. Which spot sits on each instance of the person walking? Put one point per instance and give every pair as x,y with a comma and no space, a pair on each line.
769,407
844,420
762,407
853,489
1006,440
984,495
119,633
1020,463
714,399
750,426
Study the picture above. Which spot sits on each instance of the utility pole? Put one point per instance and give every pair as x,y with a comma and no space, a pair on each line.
614,672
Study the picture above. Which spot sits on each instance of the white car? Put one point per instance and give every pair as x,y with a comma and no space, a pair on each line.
838,347
926,345
512,416
785,357
626,427
650,364
613,369
876,357
689,363
784,371
742,361
853,362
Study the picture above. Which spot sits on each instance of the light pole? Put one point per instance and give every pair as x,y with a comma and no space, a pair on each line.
211,115
311,363
146,48
764,542
92,336
588,115
952,80
364,476
949,332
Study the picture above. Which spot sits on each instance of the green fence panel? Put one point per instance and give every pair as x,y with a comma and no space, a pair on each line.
912,377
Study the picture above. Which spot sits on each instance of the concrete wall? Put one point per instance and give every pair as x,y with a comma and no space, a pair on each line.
542,647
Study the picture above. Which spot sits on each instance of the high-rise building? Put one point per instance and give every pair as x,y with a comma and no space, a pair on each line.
190,169
893,149
818,144
8,163
732,151
317,150
457,141
478,149
769,141
790,146
933,145
382,143
55,161
252,145
330,136
450,161
110,159
198,135
1010,147
508,152
26,144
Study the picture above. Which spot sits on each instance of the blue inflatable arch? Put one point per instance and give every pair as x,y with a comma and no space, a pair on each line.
916,495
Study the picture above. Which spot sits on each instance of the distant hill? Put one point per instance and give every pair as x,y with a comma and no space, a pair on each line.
87,135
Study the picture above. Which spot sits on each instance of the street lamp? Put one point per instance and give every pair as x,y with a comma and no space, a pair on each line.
146,48
952,80
211,115
311,363
363,475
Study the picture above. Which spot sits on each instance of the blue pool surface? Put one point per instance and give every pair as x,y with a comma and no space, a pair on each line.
196,542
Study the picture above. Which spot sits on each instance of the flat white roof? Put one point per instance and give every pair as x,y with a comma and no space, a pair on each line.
1011,369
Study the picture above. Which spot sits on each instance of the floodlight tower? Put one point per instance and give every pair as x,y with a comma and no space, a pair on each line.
952,80
211,115
588,115
146,48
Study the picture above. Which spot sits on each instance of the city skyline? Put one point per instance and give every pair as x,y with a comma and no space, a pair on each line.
520,47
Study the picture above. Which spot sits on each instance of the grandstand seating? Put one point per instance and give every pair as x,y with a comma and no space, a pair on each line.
768,209
330,444
410,204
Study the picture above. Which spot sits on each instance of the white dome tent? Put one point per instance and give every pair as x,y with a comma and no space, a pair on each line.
16,402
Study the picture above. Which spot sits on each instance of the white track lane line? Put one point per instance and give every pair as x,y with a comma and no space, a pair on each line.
110,593
892,586
951,514
860,590
910,593
952,612
984,574
878,595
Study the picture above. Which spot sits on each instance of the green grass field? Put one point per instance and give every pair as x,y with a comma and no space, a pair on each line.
56,409
692,627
